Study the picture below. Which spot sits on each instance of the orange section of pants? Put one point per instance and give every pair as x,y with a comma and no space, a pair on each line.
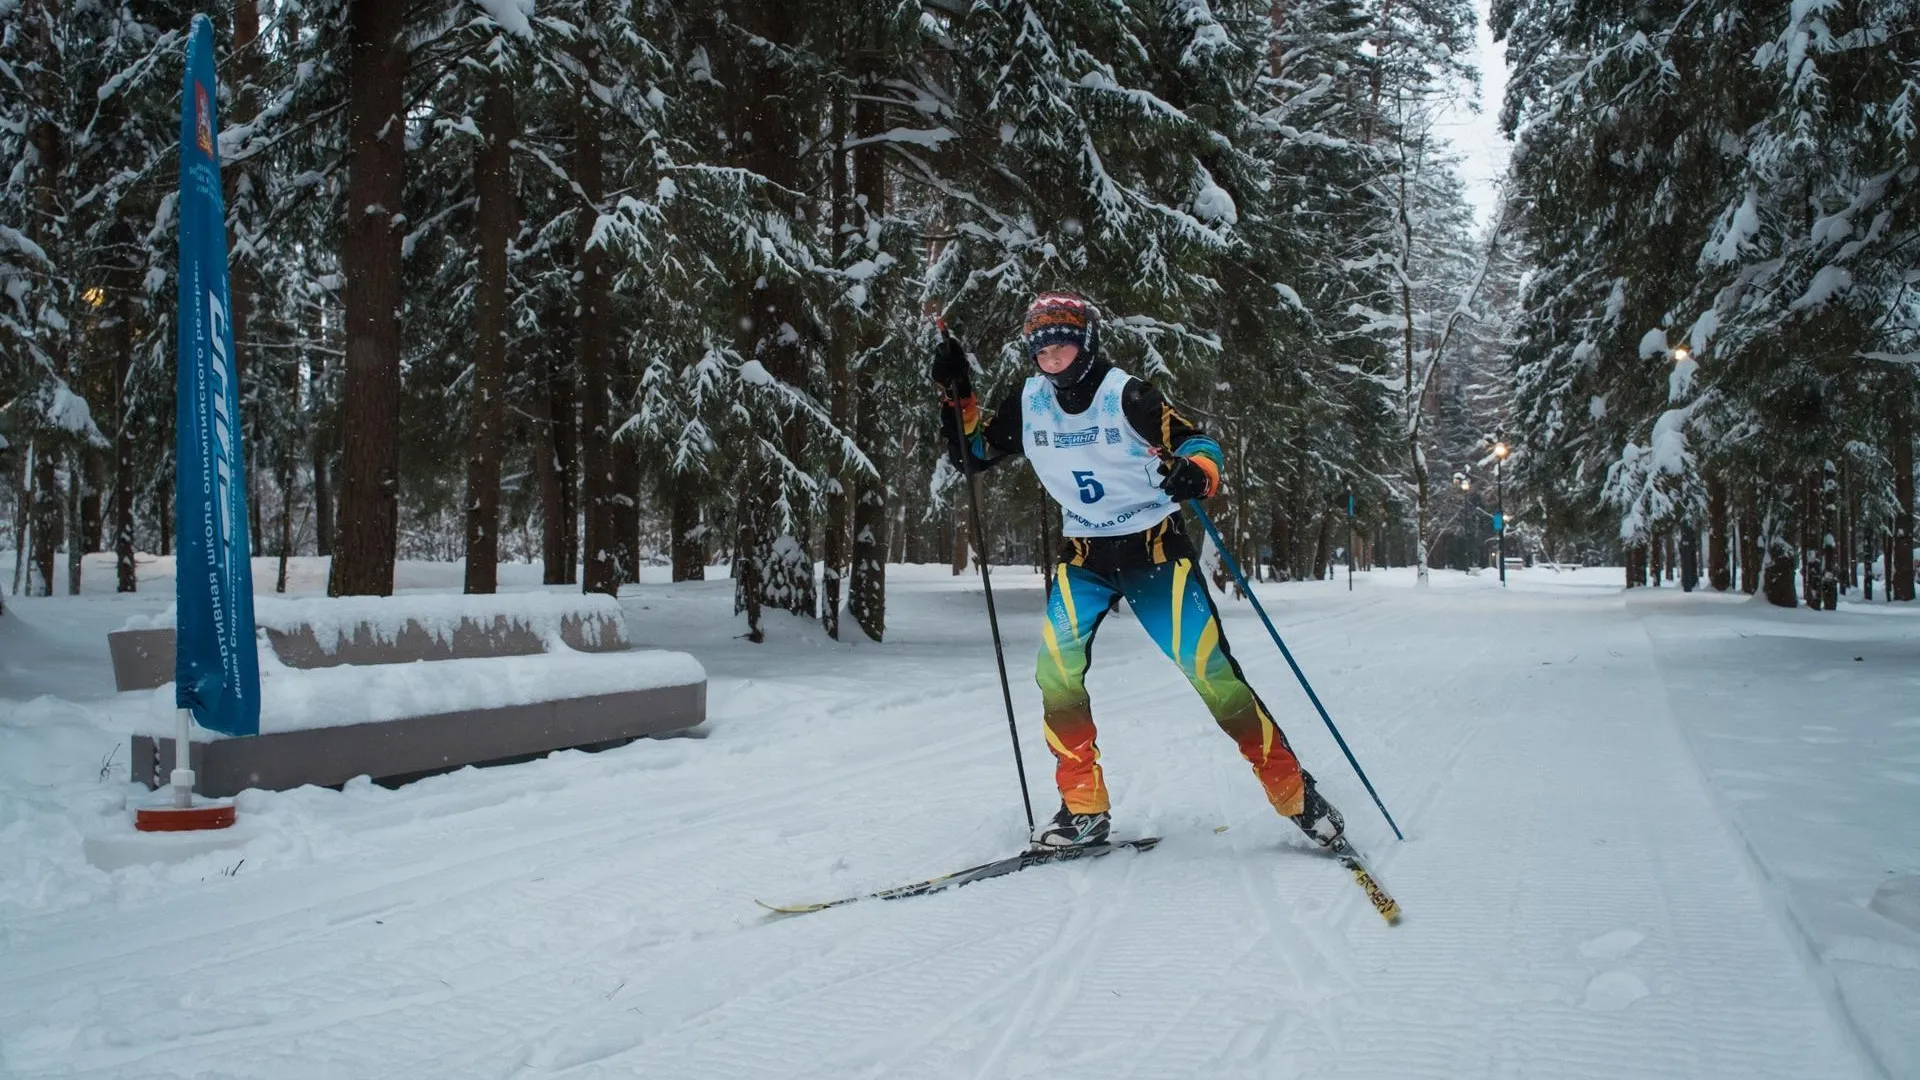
1076,770
1266,749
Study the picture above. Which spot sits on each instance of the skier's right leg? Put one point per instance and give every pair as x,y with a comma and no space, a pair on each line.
1077,600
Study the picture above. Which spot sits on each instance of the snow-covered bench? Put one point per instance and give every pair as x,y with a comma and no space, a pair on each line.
396,687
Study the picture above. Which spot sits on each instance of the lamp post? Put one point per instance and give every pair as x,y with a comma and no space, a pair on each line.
1500,452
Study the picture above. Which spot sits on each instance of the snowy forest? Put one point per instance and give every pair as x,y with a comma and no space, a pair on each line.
602,284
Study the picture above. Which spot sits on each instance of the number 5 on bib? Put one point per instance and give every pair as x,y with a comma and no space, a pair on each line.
1090,489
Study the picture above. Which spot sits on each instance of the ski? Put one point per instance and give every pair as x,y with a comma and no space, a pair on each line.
1385,904
997,868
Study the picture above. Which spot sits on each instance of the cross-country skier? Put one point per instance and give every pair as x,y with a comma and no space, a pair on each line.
1118,459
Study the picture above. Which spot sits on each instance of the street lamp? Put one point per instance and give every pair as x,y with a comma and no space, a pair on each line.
1500,452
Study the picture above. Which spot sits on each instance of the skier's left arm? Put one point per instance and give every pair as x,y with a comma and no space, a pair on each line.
1190,459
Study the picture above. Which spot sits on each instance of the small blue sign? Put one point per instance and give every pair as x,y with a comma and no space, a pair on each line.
1499,523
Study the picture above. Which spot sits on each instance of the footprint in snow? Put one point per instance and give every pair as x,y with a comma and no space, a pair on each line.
1611,944
1612,991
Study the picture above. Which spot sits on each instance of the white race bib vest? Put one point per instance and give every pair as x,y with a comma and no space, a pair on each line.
1100,471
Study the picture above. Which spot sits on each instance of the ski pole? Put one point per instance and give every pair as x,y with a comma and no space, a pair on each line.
1220,545
971,477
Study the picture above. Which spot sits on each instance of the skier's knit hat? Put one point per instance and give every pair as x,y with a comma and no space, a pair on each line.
1058,318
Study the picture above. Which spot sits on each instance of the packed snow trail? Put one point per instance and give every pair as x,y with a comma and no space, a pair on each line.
1824,783
1577,903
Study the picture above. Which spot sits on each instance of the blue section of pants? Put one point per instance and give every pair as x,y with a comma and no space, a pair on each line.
1149,591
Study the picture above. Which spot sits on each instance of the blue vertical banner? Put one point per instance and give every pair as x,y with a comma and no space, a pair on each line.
216,667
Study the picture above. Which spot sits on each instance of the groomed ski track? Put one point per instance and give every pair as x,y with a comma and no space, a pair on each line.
1576,903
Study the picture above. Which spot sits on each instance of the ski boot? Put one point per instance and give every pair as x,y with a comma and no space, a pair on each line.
1068,830
1319,820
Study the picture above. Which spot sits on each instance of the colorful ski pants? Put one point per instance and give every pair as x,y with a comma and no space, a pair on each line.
1170,599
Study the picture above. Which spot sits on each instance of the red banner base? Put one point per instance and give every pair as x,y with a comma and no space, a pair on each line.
184,819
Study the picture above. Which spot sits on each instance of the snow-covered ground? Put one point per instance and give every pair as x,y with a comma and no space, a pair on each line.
1645,834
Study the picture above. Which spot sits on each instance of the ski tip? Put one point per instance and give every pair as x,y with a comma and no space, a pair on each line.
1382,901
789,909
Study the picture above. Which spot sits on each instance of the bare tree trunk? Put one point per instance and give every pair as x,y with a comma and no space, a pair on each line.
600,572
1719,574
48,526
1750,560
1849,513
1867,545
543,460
1416,396
1776,536
493,228
1900,452
557,468
689,535
321,448
833,545
1809,520
1322,548
959,527
126,568
872,526
1300,497
76,534
163,509
22,525
370,391
626,501
286,518
1226,510
747,582
93,482
243,275
253,494
625,455
872,522
1277,537
126,573
1828,490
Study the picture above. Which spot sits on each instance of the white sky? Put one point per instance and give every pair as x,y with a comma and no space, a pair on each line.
1476,136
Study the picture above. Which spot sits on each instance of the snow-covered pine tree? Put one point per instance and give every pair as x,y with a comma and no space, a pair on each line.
870,296
1327,388
35,137
1414,243
91,116
1736,197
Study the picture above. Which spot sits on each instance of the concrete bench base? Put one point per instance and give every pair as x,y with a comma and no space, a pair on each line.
421,745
